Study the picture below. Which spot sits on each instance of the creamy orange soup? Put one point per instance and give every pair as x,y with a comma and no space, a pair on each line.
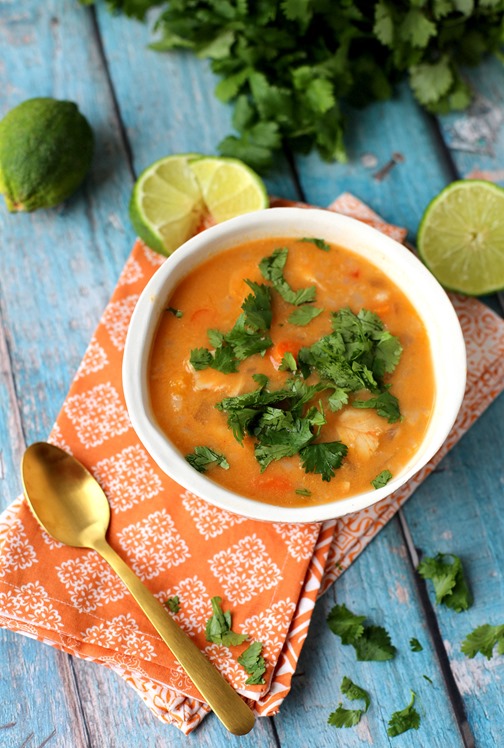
184,398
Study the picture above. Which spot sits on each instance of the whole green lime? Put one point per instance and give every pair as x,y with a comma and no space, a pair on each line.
46,147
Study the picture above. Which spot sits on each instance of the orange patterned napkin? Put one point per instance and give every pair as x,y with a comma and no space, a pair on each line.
268,575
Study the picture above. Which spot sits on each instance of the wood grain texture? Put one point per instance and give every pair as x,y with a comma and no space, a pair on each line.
57,270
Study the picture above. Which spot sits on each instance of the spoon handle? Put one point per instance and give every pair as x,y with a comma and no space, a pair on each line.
222,698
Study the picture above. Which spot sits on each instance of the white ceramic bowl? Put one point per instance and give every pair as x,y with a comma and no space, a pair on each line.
402,267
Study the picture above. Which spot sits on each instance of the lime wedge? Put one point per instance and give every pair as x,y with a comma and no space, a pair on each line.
461,237
229,187
174,195
166,204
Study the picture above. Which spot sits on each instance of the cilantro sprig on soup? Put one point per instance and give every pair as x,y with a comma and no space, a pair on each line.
292,371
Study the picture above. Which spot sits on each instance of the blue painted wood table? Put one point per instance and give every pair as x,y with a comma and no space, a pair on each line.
58,269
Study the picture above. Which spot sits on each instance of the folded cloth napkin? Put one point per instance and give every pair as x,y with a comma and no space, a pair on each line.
268,575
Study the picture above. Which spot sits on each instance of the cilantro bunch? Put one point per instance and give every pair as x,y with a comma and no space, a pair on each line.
290,66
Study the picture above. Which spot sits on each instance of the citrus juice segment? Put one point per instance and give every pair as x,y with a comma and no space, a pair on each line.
166,204
461,237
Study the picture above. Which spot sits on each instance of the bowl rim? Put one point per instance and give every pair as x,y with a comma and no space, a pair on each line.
196,250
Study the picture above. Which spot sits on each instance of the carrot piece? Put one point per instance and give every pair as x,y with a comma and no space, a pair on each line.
274,484
279,350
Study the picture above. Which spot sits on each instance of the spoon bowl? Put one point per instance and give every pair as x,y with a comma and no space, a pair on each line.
70,504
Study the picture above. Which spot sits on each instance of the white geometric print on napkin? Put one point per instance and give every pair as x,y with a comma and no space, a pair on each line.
153,545
270,626
97,415
209,520
245,569
20,553
90,582
95,359
116,319
226,662
194,603
131,273
122,635
299,539
154,258
30,603
127,478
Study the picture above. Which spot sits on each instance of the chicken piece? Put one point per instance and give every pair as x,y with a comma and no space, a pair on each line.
361,430
211,379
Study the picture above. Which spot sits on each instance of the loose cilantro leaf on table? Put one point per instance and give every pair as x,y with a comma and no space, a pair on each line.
369,642
381,479
173,604
218,627
304,315
320,243
404,720
483,639
204,457
350,717
415,645
254,663
272,268
449,581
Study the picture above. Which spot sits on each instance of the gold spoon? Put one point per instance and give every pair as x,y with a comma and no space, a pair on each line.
69,503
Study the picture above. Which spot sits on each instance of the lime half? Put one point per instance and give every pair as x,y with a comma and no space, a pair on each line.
166,204
229,187
461,237
176,194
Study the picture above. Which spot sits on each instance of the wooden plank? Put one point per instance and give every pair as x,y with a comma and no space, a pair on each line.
459,510
475,138
178,112
379,585
375,136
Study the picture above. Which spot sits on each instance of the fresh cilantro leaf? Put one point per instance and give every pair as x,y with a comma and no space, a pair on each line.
404,720
320,243
349,717
323,458
354,692
381,479
337,399
385,404
415,645
374,645
253,662
304,315
272,268
280,434
369,642
204,457
288,362
303,492
257,306
261,379
483,639
342,717
345,624
224,360
173,604
245,341
218,626
175,312
449,581
200,358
